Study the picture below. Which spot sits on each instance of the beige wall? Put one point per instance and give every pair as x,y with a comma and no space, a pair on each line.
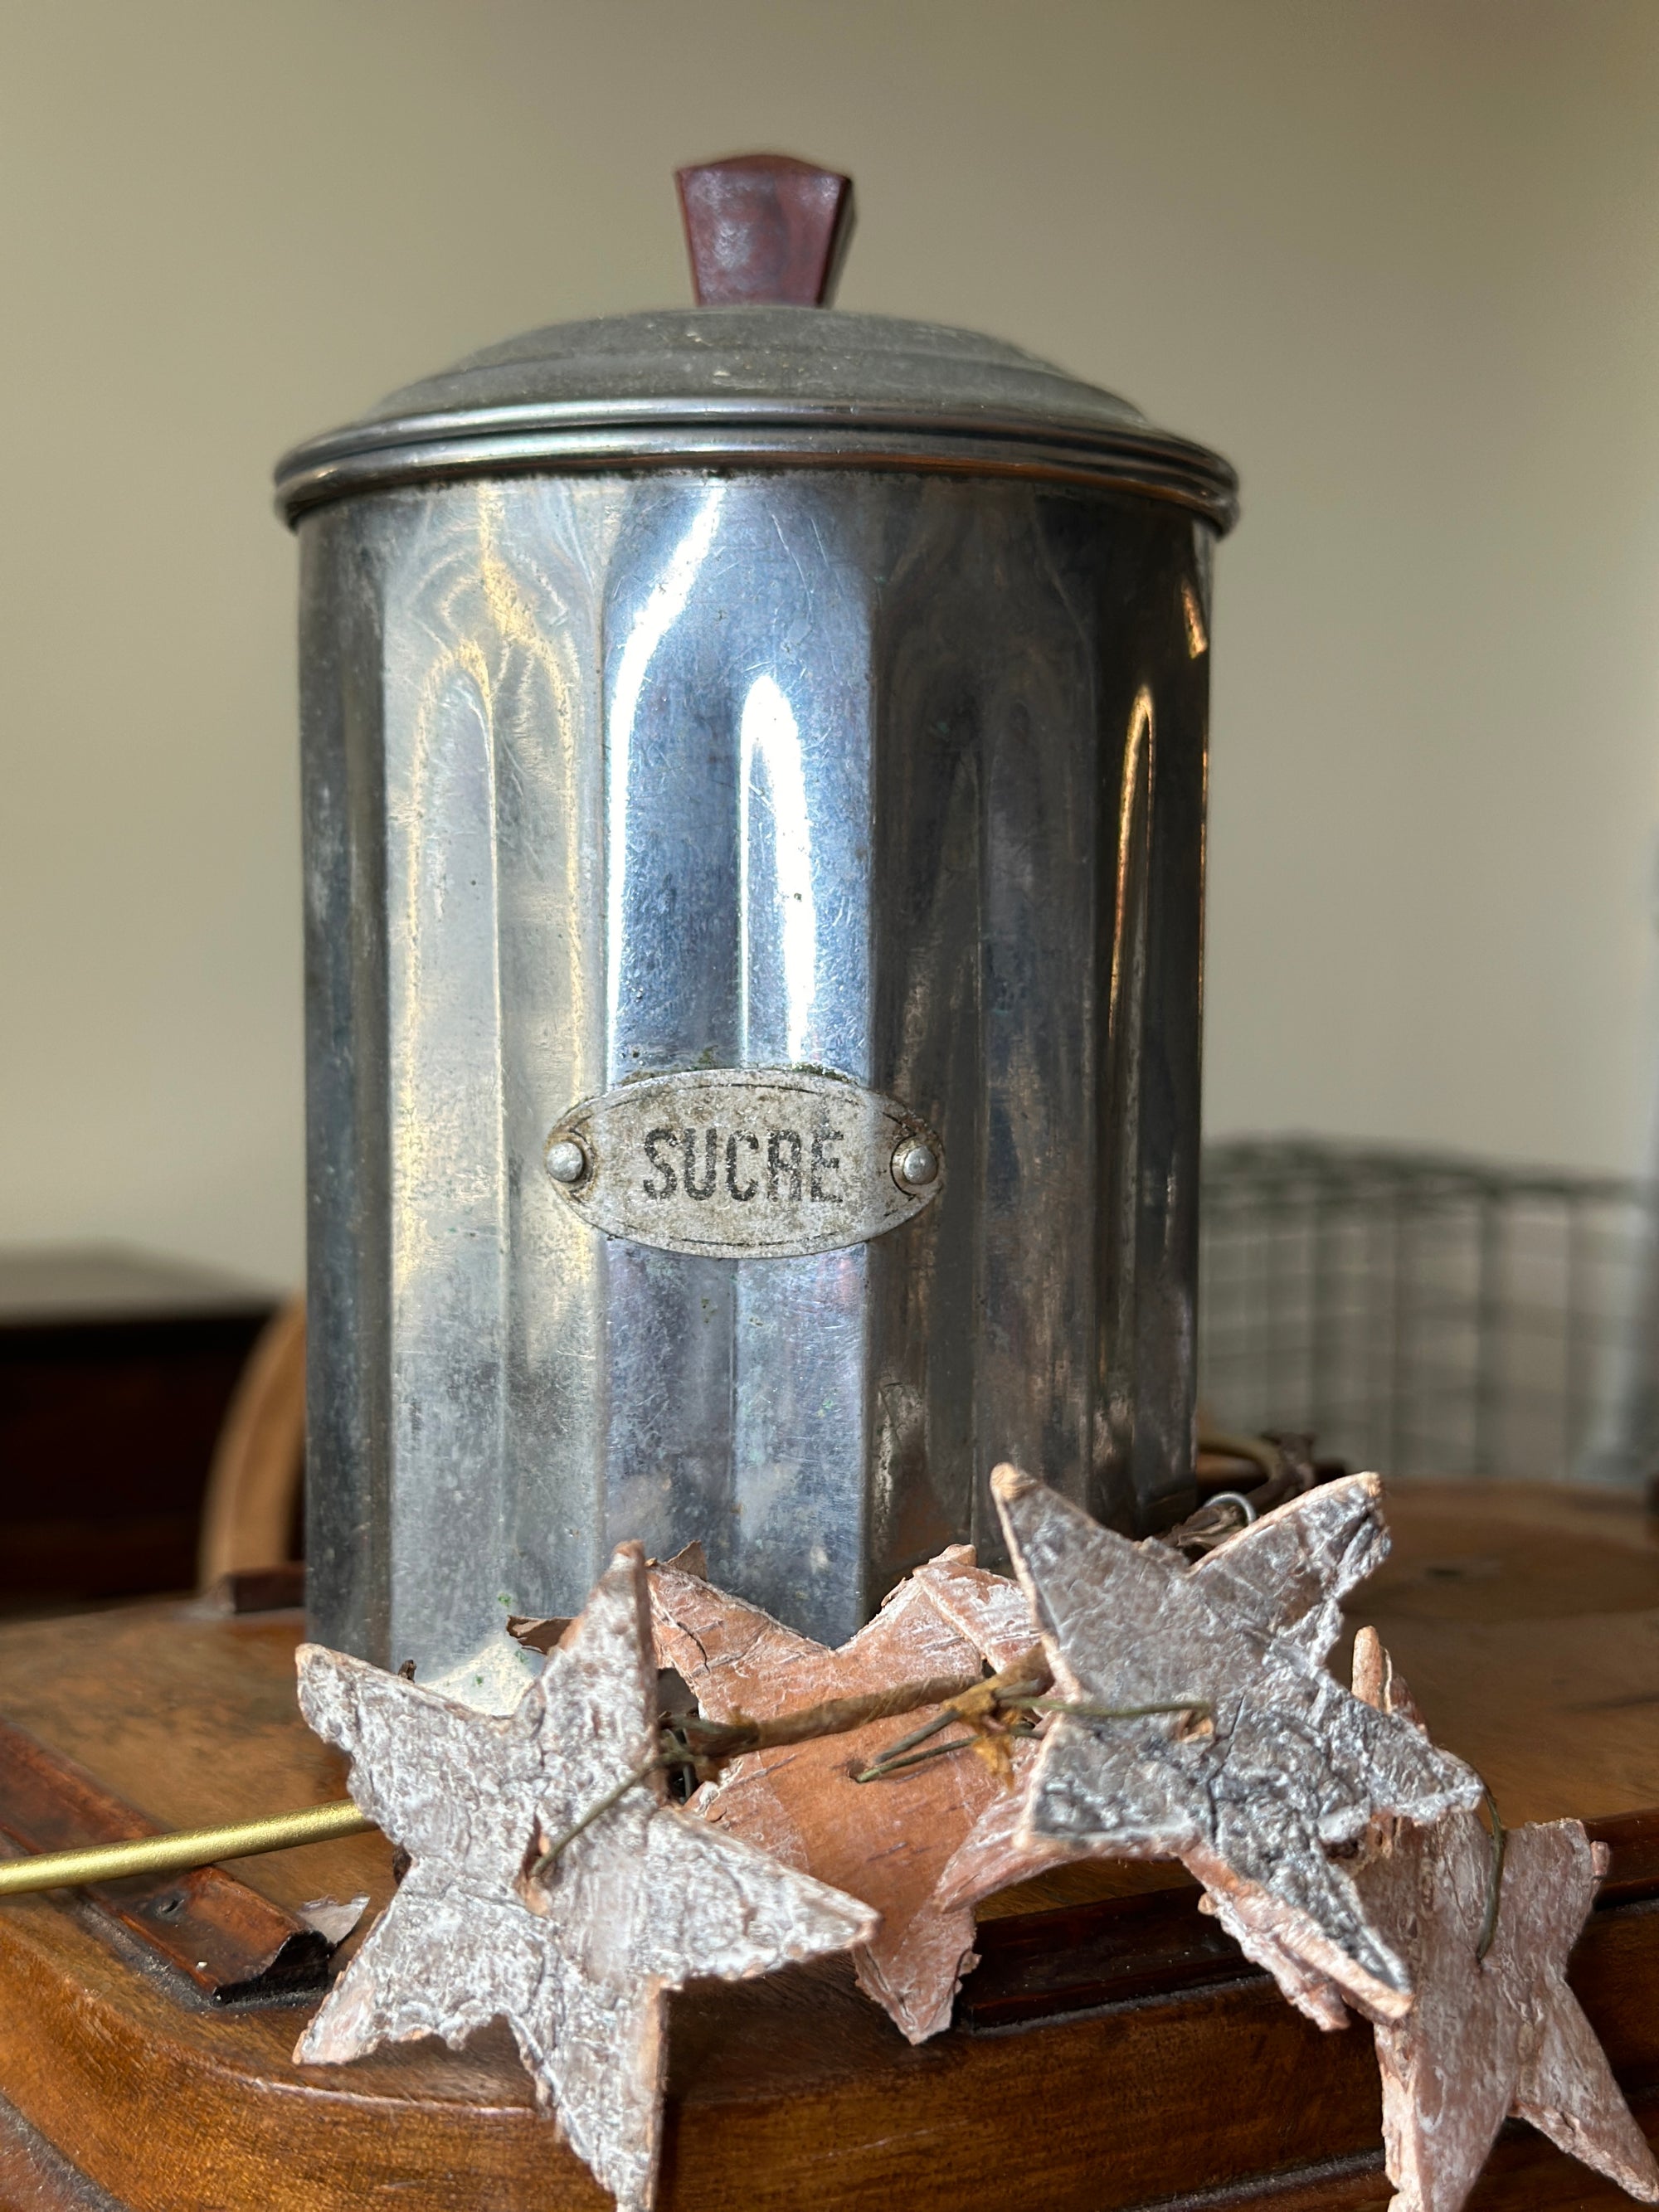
1400,258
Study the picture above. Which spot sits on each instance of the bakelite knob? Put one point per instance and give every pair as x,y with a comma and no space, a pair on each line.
763,230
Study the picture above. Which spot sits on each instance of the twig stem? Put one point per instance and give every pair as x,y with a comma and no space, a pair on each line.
988,1702
652,1765
1495,1878
1200,1708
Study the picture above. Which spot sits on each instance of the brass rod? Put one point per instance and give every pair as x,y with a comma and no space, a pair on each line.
191,1847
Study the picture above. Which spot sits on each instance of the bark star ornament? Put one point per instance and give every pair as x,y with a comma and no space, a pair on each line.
1287,1764
577,1960
893,1843
1494,2035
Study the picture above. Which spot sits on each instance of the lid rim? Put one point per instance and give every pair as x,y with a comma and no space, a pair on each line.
1158,466
630,434
987,419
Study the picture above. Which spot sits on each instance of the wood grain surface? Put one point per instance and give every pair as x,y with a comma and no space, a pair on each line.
230,1941
1179,2079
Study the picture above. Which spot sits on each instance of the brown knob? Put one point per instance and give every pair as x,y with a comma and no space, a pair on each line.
764,228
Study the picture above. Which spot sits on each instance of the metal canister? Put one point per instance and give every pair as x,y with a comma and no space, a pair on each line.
754,779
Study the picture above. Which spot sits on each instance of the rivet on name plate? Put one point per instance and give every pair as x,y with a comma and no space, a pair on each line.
915,1165
567,1162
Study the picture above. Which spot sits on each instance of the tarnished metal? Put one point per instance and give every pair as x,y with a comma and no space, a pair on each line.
618,776
783,732
770,386
737,1163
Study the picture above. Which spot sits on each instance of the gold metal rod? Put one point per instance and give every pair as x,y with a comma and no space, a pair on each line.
191,1847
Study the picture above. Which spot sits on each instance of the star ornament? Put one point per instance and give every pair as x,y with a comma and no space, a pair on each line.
1284,1766
1492,2036
576,1959
920,1846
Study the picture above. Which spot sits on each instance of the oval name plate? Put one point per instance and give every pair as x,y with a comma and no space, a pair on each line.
744,1162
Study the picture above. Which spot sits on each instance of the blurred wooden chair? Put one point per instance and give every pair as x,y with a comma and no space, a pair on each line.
253,1487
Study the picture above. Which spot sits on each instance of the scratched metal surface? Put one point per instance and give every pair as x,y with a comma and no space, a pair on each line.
899,776
715,387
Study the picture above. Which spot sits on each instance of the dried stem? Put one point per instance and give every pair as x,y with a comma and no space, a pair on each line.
705,1745
1002,1719
652,1765
1495,1879
714,1742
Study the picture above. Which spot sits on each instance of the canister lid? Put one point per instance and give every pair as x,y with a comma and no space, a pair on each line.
756,378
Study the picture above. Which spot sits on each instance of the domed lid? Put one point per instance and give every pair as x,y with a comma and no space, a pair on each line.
758,373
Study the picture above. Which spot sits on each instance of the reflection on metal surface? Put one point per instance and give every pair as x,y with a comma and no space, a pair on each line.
740,1163
613,777
664,604
1122,1194
769,745
1198,637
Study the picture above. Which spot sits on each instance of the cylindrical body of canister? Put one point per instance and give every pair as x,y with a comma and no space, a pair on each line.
888,777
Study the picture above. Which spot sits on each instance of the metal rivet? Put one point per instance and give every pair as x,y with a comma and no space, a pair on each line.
915,1164
567,1162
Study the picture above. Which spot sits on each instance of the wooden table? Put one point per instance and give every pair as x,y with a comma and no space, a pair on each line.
1112,2051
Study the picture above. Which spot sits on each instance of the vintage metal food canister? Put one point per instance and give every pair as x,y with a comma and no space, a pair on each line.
753,773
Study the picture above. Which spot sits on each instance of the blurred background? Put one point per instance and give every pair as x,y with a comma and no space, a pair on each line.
1399,259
